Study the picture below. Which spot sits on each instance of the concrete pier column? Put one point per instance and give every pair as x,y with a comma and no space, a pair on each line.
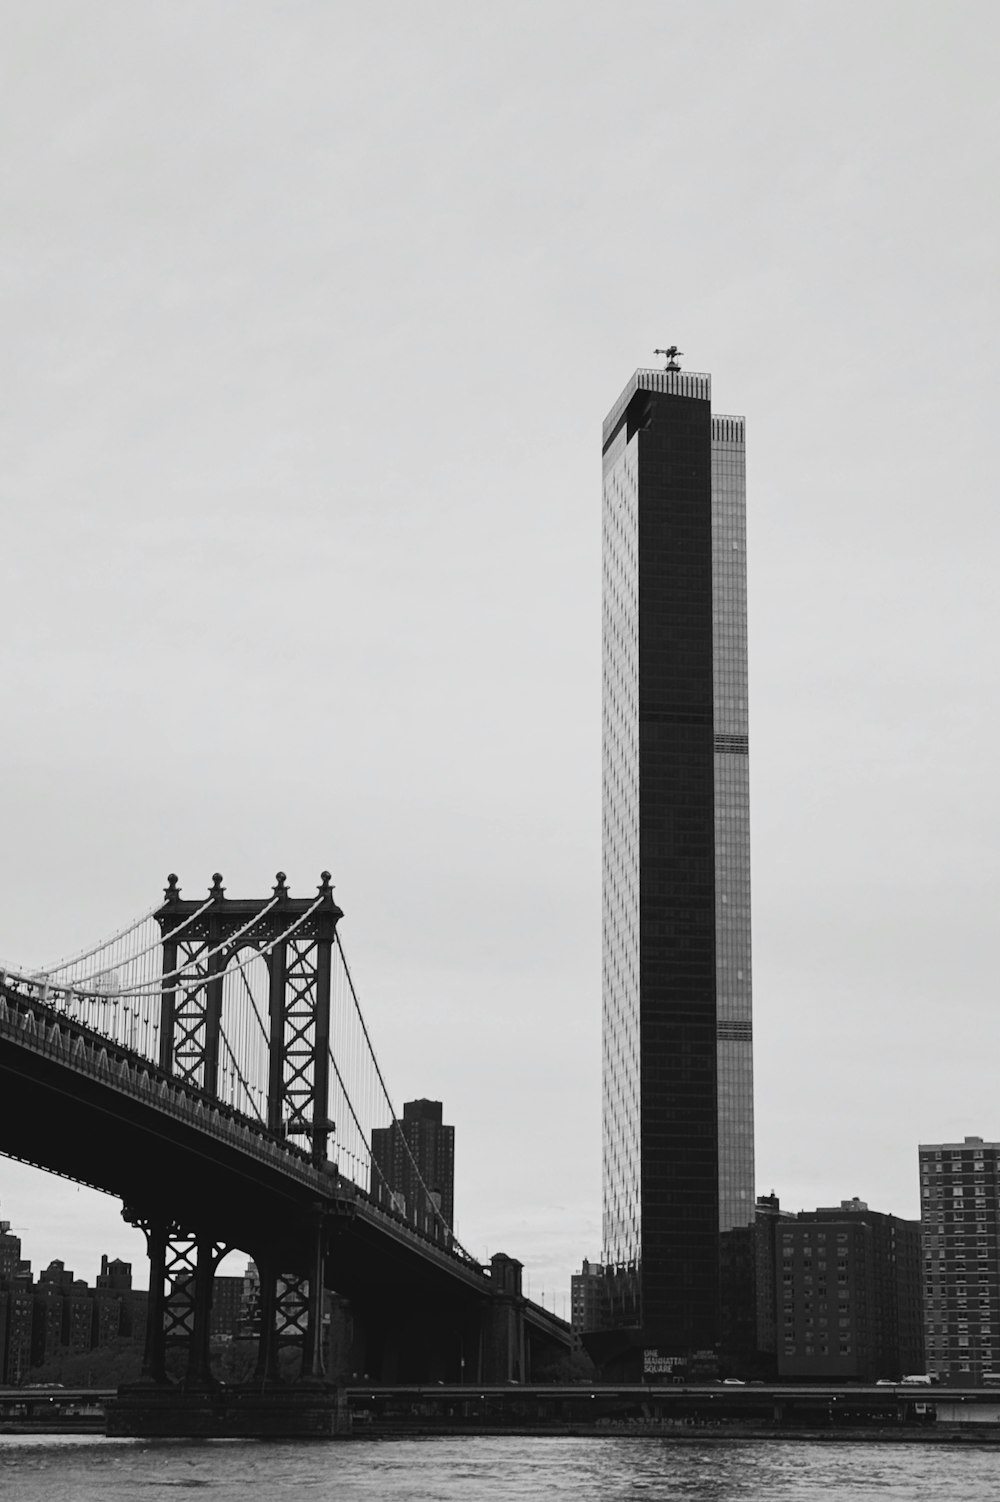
198,1377
313,1365
503,1332
154,1372
266,1370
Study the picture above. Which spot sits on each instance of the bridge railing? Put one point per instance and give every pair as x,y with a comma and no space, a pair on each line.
40,1027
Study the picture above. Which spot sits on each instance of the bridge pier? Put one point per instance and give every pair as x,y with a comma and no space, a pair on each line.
313,1365
267,1341
503,1336
179,1313
154,1356
198,1405
198,1377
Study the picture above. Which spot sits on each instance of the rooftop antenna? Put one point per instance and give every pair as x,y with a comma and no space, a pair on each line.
671,355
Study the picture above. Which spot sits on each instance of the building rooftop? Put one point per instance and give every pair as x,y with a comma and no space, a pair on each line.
669,382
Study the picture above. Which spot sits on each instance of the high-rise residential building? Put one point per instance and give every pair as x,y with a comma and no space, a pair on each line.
848,1297
17,1306
227,1307
413,1167
59,1314
16,1309
960,1227
678,1162
115,1275
10,1253
588,1299
63,1314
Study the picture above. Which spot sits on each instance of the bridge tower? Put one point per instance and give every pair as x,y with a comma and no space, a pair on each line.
200,941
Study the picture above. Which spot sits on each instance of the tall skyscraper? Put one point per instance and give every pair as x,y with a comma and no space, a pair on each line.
413,1166
960,1228
677,1052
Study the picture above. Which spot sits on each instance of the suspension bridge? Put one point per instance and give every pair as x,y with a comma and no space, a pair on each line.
210,1065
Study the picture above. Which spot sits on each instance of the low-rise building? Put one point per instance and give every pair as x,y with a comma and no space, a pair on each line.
848,1291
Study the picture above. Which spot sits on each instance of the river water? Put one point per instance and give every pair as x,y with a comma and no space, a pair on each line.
66,1468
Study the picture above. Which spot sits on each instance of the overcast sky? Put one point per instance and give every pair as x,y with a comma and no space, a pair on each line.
311,314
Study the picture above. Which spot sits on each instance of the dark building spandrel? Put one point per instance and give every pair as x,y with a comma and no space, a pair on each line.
677,1072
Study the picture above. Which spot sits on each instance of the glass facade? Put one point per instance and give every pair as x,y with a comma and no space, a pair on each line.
677,1073
620,845
734,1011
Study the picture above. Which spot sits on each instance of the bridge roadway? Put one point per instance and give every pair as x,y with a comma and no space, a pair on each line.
78,1105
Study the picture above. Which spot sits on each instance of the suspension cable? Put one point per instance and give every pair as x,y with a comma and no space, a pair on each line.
122,933
155,985
385,1092
354,1118
246,1088
253,1002
131,959
201,959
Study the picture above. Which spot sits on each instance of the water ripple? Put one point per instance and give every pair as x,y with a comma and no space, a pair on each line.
61,1468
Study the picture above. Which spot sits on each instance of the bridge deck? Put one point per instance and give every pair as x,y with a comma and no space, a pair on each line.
78,1104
